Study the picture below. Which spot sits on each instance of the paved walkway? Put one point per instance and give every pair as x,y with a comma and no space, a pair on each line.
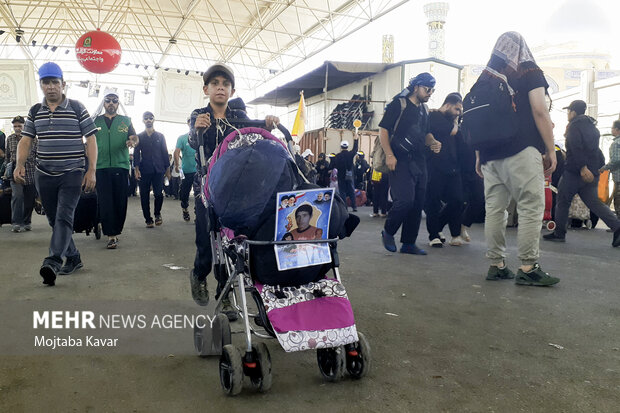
443,338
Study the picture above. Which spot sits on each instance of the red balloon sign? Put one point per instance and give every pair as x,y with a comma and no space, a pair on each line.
98,52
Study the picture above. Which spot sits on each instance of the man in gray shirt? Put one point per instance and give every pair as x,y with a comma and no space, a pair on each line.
59,124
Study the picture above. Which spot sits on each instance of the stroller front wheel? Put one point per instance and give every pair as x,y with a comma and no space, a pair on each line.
262,378
331,363
231,370
358,357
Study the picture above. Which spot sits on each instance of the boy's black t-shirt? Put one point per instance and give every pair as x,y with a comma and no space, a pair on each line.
528,134
412,115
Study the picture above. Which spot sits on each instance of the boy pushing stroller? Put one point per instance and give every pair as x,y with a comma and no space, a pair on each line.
208,127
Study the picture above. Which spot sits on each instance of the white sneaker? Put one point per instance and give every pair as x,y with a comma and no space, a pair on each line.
456,241
465,234
436,243
442,237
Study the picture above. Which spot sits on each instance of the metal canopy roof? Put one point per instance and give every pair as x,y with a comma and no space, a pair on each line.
313,83
258,38
337,73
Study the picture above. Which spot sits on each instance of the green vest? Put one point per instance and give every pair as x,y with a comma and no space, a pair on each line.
112,143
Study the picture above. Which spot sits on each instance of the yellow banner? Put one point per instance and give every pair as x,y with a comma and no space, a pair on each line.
299,126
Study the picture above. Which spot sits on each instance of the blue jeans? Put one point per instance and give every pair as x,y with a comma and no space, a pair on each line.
59,196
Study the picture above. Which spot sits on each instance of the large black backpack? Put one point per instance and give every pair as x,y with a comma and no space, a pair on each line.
489,114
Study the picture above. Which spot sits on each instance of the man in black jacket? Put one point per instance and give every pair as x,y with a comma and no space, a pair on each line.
343,162
581,170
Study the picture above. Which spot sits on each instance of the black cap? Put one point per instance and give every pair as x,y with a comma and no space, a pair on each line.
18,119
148,114
578,106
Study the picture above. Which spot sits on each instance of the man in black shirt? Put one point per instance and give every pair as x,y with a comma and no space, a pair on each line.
151,163
444,181
517,169
404,133
343,162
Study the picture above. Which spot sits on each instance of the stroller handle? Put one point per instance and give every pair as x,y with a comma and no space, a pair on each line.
256,123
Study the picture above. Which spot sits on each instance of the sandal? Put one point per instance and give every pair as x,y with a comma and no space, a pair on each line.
112,243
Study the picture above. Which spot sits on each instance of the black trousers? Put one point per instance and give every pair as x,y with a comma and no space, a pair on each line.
380,194
156,180
449,189
473,193
204,256
408,189
112,188
186,186
571,184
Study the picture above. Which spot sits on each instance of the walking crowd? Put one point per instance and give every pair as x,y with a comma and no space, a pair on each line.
424,161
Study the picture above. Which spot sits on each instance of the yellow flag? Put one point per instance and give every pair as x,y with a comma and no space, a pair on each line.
299,126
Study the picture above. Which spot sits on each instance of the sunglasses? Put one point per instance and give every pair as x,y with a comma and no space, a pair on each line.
150,118
111,101
428,89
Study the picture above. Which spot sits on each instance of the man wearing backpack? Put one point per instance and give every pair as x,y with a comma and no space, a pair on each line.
581,170
403,132
59,124
514,167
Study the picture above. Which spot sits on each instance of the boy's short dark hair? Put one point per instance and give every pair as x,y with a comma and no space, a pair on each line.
302,208
616,124
18,119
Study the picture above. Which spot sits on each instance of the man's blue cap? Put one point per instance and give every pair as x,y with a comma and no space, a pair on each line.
423,79
50,69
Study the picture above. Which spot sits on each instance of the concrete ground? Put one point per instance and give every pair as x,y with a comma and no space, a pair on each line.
443,339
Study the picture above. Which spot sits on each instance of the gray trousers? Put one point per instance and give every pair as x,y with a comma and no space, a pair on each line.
22,203
520,177
571,184
59,196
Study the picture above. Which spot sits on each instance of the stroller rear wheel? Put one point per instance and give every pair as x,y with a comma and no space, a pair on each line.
331,363
262,377
210,340
98,231
231,370
358,357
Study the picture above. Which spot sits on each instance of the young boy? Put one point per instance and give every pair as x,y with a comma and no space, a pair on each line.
209,125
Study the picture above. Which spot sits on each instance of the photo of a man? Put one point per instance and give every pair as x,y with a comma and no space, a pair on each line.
305,231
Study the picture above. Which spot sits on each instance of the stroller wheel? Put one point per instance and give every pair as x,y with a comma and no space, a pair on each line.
551,225
358,357
331,363
98,231
262,378
231,370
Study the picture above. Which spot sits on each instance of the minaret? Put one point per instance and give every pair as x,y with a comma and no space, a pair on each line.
436,14
388,48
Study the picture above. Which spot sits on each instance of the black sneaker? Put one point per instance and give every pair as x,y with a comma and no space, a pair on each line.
536,276
228,310
48,271
200,294
150,224
495,273
553,237
158,220
616,240
73,264
186,217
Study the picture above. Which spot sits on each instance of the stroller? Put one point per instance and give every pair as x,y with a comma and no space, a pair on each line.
302,307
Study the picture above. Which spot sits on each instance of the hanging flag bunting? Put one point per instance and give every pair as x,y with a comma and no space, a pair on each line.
299,126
